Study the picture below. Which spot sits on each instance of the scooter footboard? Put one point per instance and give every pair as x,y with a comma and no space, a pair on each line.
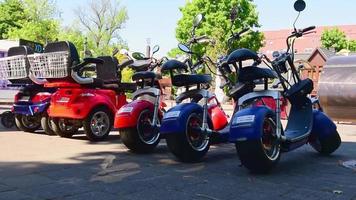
127,115
174,121
247,124
323,126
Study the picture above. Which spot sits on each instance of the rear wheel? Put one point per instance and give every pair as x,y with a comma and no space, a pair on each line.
47,125
27,123
62,128
260,156
144,138
8,119
192,145
97,125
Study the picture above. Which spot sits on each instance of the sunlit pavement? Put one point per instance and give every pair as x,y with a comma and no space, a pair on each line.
36,166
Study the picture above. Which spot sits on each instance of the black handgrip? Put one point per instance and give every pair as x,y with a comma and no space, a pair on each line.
126,63
86,62
308,29
94,60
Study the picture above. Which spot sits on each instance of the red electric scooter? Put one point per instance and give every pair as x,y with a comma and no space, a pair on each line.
80,101
139,121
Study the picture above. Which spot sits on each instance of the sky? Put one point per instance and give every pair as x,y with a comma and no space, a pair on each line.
157,19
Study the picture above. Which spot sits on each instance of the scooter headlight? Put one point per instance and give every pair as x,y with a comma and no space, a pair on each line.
173,114
125,110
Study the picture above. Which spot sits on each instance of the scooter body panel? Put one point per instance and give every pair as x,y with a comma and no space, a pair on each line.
247,124
175,119
31,105
77,103
127,115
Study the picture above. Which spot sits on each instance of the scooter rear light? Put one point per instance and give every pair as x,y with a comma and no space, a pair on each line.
17,97
36,109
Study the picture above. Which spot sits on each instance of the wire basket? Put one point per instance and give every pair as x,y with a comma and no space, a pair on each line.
49,65
13,67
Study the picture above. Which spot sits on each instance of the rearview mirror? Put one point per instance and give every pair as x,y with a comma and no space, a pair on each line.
233,14
197,20
138,56
299,5
155,49
184,48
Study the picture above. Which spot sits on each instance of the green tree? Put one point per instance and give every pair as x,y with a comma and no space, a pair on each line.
334,38
12,13
102,20
352,45
173,53
217,24
39,25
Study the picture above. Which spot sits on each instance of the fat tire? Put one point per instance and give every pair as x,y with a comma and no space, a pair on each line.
330,144
180,147
252,155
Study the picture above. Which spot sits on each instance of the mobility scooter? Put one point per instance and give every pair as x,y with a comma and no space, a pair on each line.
257,131
85,102
32,101
139,121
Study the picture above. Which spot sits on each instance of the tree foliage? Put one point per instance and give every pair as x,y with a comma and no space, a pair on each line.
334,38
12,13
102,21
217,24
352,45
39,24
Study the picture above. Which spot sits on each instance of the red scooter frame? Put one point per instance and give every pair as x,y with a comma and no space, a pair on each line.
139,120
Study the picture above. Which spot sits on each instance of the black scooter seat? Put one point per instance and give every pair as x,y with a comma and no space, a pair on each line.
145,75
241,55
251,73
140,65
300,89
190,79
174,64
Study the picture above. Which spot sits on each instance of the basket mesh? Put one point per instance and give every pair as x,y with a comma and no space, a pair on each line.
13,67
49,65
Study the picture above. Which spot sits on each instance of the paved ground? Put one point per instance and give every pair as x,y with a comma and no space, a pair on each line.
35,166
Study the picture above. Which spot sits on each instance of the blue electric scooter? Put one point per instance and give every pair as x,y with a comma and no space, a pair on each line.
257,131
198,120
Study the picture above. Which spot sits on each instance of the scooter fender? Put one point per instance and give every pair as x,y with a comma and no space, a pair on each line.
127,115
247,124
323,126
175,119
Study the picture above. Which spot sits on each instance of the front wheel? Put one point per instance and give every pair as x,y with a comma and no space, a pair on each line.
260,156
97,125
144,138
328,145
192,145
27,123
